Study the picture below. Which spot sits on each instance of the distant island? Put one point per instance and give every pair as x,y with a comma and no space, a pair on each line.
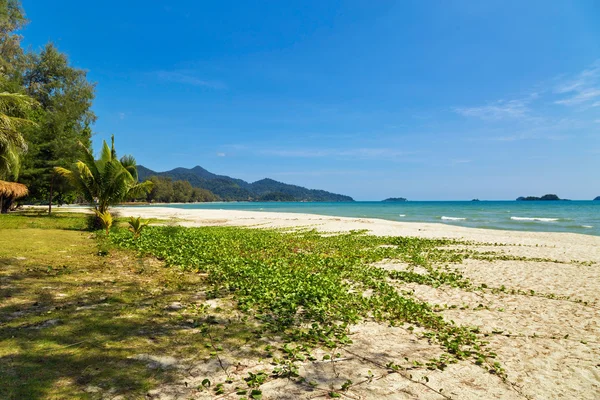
198,184
597,198
546,197
475,200
394,200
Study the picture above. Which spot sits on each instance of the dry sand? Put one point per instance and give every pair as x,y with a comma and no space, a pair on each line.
550,348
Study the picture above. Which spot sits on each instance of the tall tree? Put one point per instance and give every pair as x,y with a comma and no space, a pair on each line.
12,18
162,190
64,120
182,192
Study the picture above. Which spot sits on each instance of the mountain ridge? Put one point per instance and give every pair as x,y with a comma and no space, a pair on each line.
234,189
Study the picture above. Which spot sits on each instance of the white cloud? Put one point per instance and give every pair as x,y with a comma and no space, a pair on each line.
121,115
188,78
220,154
362,153
560,130
325,173
582,89
529,136
459,161
501,109
581,96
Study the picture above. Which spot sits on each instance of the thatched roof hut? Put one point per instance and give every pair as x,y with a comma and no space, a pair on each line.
13,190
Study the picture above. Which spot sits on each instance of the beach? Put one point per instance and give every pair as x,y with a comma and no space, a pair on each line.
544,325
529,216
564,246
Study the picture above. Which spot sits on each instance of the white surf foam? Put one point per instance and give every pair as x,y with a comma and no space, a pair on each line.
452,218
534,219
586,226
402,215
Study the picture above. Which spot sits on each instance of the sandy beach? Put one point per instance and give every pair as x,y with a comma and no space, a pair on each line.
562,246
546,334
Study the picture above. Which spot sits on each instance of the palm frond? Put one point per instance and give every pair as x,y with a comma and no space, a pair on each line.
105,218
13,110
88,159
10,123
105,153
10,161
136,225
129,163
15,103
64,172
140,189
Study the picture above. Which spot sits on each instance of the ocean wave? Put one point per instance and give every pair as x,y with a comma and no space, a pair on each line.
402,215
452,219
536,219
587,226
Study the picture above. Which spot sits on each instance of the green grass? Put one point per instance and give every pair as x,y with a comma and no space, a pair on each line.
71,320
41,220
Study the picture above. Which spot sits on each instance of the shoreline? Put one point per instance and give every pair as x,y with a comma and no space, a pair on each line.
561,245
580,217
497,218
329,223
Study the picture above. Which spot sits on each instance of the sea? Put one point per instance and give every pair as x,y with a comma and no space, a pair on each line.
538,216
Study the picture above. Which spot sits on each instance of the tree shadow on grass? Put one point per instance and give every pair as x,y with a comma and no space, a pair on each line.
103,338
45,357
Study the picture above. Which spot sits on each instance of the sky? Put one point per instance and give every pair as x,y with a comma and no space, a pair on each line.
428,100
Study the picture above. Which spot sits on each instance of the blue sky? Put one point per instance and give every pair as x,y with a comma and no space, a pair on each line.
427,100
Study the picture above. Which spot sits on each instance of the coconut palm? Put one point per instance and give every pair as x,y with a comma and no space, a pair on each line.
105,181
13,110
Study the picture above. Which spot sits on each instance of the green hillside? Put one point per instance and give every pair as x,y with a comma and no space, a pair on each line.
231,189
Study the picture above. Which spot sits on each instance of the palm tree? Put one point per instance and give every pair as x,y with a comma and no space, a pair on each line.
105,181
13,110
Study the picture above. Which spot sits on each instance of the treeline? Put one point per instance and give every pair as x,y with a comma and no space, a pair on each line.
165,190
60,116
276,196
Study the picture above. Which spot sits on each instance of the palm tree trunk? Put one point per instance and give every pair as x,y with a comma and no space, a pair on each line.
51,194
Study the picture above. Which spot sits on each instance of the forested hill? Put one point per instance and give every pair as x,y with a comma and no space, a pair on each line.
231,189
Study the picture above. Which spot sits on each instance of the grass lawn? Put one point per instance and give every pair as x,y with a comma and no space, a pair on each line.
74,323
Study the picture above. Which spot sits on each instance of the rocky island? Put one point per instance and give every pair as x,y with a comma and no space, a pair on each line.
546,197
394,200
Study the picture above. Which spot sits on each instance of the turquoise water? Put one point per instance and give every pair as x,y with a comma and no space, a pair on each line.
541,216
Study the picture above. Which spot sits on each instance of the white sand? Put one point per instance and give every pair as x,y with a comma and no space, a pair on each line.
550,348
